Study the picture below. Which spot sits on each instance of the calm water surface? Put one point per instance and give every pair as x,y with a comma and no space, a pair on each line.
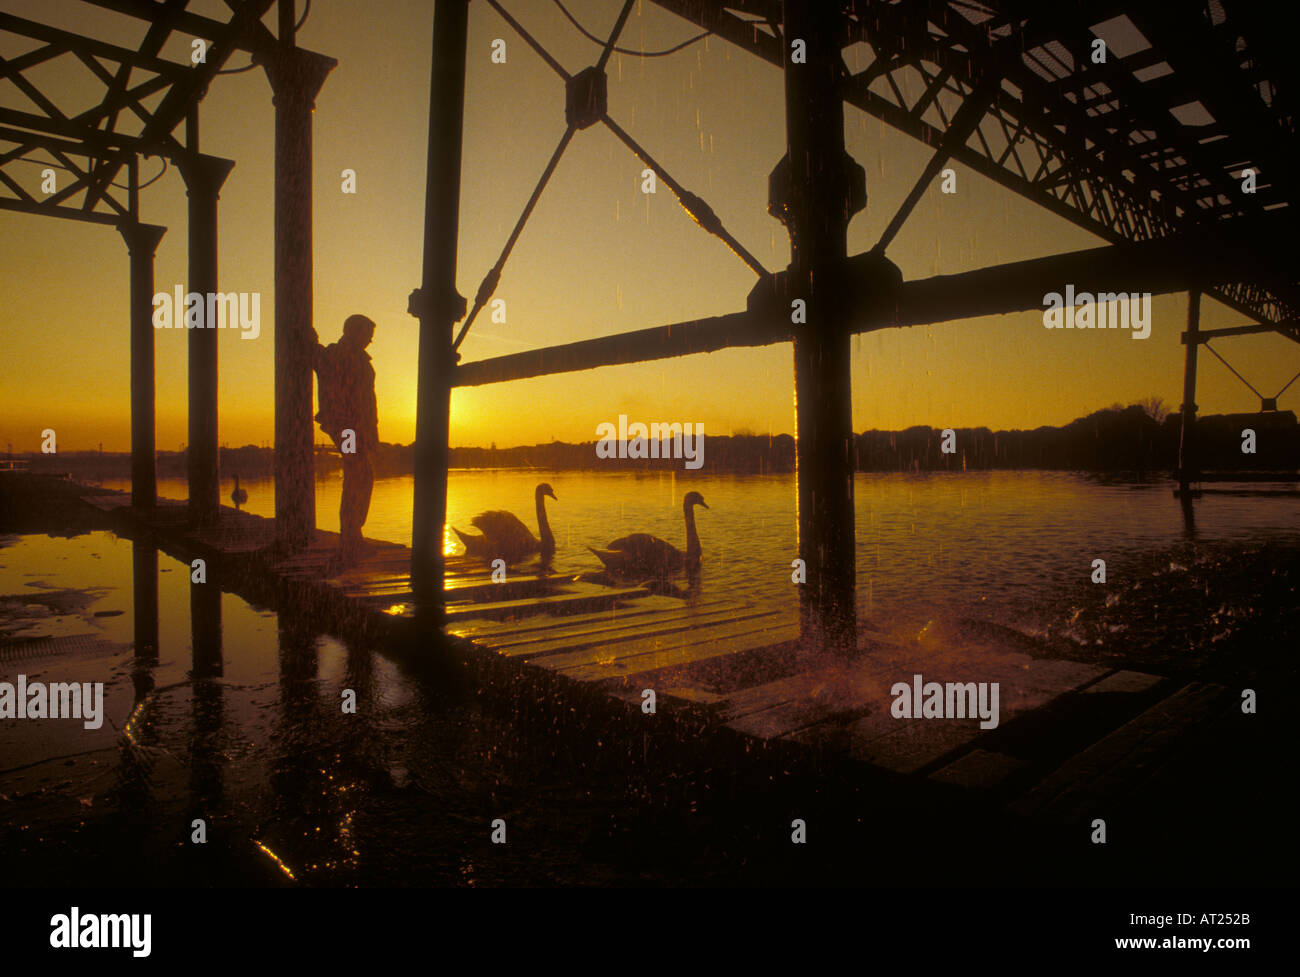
294,792
1011,547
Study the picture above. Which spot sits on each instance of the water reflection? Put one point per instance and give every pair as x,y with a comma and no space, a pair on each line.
134,790
306,763
145,580
1185,502
205,626
207,710
248,731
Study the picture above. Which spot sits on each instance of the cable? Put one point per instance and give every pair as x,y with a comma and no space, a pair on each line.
490,280
155,179
252,64
1279,394
1235,373
622,50
69,169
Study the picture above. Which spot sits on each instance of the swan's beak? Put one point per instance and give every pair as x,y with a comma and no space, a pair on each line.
703,503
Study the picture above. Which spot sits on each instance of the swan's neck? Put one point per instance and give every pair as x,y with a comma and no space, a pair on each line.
544,526
692,537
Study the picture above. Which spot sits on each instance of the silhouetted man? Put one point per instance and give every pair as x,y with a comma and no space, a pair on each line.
348,414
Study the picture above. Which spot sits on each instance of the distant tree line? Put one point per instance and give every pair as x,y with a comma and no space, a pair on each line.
1142,437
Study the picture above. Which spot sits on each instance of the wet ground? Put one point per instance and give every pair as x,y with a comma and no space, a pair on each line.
237,720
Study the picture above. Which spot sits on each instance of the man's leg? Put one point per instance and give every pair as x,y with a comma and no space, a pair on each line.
349,520
365,487
358,483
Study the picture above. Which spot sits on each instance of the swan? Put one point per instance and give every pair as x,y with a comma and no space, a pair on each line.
649,555
504,536
238,496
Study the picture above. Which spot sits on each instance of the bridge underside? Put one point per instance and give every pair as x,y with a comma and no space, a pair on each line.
1167,130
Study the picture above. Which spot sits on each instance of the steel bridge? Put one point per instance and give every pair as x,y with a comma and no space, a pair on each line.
1176,146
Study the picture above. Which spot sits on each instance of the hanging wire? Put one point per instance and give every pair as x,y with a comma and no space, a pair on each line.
68,169
622,50
253,64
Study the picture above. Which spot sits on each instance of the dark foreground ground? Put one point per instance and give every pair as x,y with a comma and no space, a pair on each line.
404,792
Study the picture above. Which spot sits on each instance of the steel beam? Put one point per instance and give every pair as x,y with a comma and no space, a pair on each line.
1160,267
1187,431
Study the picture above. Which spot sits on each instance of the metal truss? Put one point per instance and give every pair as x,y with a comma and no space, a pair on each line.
1147,144
144,98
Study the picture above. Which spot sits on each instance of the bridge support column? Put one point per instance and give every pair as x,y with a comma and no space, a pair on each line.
142,243
204,176
820,194
1187,469
438,305
1187,434
296,77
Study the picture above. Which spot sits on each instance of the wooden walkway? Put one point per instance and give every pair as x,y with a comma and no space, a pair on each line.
1070,734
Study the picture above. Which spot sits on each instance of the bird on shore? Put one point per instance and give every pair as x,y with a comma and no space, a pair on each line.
644,555
503,536
238,496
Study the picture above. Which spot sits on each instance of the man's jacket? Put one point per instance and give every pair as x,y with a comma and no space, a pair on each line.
346,393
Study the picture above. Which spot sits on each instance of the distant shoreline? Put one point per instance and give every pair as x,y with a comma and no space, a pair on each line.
1117,439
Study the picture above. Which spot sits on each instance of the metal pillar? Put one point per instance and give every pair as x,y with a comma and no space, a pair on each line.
142,243
437,303
1187,468
296,78
204,176
1186,438
818,218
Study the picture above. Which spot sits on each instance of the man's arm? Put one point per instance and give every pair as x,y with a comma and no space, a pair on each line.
370,410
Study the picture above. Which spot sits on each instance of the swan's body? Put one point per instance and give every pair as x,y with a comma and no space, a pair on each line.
238,496
644,555
502,536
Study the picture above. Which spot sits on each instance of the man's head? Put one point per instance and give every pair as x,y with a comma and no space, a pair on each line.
358,330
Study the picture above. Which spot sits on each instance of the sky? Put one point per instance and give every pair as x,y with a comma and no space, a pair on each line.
597,257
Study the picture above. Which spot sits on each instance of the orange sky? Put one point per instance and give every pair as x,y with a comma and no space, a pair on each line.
597,257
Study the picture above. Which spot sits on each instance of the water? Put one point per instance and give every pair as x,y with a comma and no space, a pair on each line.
241,726
1014,548
250,737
